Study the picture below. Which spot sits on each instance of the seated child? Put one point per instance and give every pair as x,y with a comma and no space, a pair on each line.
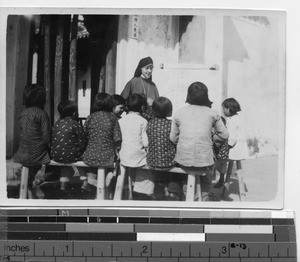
119,105
103,136
161,151
68,139
35,133
191,130
134,145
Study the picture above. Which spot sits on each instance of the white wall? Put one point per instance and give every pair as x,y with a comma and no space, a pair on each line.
84,101
158,38
255,81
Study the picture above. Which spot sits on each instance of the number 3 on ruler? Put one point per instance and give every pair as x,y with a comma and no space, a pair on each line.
224,249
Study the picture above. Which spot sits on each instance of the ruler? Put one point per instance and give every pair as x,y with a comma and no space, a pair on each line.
134,235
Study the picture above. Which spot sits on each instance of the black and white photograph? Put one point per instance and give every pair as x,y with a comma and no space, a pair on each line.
134,107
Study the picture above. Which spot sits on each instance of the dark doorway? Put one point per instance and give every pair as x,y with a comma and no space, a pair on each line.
98,51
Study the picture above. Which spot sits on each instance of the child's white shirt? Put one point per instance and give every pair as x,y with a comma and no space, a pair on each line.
134,140
237,138
133,153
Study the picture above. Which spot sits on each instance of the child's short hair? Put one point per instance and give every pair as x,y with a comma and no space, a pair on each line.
162,107
135,102
198,95
232,105
102,102
67,108
118,100
34,95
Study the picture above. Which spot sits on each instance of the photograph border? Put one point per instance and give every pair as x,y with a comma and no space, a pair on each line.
274,204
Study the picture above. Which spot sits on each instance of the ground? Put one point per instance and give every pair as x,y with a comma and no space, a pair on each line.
261,178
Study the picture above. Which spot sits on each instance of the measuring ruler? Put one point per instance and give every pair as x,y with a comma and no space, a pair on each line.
134,235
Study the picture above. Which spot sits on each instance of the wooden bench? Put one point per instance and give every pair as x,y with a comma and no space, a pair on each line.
100,178
193,183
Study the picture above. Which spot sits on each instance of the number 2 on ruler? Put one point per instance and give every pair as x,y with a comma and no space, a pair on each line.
145,249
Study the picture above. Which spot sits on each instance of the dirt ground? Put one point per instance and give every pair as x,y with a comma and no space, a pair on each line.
261,178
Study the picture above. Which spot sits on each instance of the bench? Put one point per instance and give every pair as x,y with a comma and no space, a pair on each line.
193,182
100,178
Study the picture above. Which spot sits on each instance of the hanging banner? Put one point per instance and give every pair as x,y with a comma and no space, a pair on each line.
135,27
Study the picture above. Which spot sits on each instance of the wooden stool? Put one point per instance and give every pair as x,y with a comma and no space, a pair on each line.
120,184
24,182
196,176
100,179
100,183
193,182
24,191
100,176
240,177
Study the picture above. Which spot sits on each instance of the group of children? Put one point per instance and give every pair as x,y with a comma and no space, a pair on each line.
111,135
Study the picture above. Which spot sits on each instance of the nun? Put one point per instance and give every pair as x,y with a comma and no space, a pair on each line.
141,83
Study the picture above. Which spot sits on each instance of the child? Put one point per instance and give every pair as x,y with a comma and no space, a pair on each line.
103,135
221,154
35,134
119,105
142,83
238,149
161,150
68,139
191,131
134,144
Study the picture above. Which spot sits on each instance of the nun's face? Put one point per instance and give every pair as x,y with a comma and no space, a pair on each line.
147,71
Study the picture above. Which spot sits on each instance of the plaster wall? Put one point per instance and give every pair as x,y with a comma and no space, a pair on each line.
161,38
254,79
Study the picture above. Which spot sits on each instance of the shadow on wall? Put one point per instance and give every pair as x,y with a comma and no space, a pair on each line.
234,48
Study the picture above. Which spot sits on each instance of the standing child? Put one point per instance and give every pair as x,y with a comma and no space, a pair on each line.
68,139
103,135
191,131
238,149
221,153
134,145
35,134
